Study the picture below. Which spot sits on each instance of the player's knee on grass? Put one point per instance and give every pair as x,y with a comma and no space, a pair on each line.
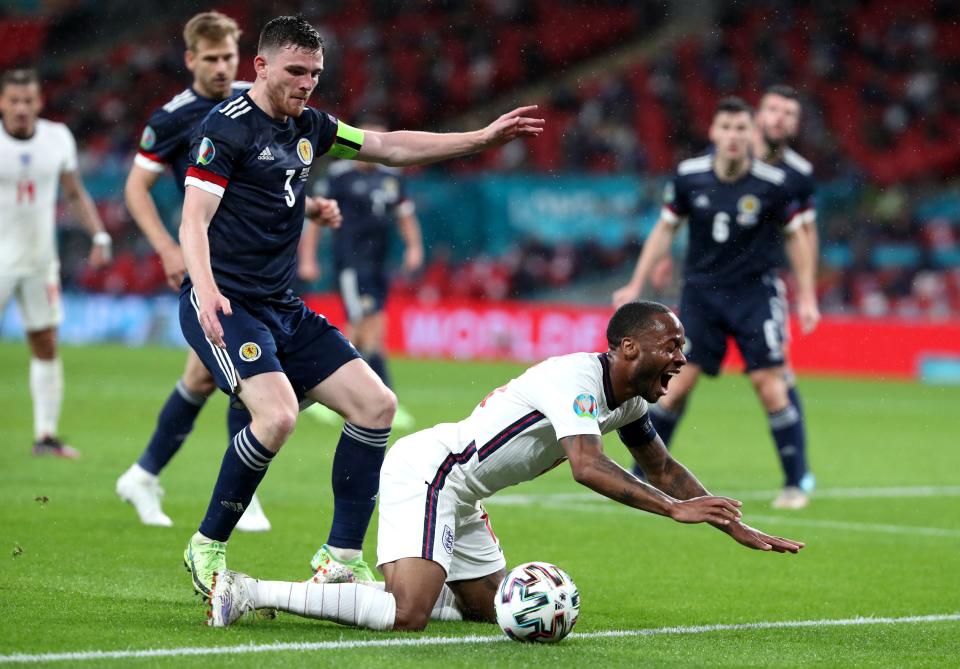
475,597
43,343
771,387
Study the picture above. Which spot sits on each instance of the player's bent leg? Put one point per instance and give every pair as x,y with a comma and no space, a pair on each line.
273,407
416,584
196,377
475,597
368,406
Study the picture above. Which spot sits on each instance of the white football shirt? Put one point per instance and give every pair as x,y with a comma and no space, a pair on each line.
30,172
514,434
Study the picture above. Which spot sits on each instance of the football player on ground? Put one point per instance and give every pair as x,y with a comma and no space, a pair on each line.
435,542
741,211
777,121
242,220
372,200
211,56
36,155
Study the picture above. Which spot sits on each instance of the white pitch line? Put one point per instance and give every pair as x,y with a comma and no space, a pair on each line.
460,640
751,495
597,504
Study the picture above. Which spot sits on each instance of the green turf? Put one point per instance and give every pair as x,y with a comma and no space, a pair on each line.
91,578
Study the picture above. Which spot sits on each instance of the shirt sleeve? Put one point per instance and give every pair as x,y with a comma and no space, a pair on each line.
69,151
337,139
675,205
216,148
569,400
160,141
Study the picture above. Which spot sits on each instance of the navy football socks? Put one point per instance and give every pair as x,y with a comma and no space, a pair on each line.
379,365
244,466
237,419
174,423
787,430
356,480
802,427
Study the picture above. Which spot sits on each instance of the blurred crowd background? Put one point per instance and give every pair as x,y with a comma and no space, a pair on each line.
627,88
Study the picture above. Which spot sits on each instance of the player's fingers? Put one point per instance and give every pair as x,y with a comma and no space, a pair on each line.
225,307
520,111
174,281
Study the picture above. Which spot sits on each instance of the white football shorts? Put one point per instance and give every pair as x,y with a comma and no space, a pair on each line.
427,519
37,296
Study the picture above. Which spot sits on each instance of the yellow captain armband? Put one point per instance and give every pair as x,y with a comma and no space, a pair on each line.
347,143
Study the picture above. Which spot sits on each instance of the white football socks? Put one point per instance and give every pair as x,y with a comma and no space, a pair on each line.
356,604
46,388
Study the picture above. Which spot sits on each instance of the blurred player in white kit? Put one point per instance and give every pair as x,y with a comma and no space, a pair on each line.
36,155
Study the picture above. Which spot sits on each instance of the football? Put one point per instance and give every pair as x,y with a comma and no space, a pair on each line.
537,602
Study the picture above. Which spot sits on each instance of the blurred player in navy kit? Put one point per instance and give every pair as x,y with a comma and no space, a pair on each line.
372,199
777,122
211,56
243,215
740,211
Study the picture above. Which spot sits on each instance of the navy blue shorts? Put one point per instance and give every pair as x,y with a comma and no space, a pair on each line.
260,338
753,314
363,290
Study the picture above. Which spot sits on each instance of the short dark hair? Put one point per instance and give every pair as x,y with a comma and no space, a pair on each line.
285,31
783,91
631,319
733,105
19,77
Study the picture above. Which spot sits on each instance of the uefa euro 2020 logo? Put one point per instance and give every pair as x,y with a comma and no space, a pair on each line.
585,406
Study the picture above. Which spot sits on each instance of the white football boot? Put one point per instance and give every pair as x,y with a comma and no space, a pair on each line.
253,518
142,489
792,498
229,600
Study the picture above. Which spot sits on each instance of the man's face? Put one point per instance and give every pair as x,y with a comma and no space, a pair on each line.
291,75
659,356
730,133
778,118
20,105
214,66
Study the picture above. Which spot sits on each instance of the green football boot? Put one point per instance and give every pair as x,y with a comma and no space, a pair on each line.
203,559
328,569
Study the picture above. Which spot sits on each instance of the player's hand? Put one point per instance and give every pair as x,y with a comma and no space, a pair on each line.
101,251
324,212
626,294
210,304
308,269
173,266
512,125
757,540
706,509
809,314
413,258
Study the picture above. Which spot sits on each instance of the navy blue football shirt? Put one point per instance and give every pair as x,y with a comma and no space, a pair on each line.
370,201
259,168
736,228
169,131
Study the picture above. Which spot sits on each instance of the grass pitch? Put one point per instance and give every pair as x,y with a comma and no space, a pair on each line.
78,572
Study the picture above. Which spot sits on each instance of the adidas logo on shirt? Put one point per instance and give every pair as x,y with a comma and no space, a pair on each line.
265,154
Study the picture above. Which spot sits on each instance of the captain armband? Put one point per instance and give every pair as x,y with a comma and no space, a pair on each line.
638,433
347,143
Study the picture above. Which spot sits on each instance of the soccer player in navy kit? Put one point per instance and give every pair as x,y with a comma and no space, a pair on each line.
242,219
211,55
372,199
740,211
777,121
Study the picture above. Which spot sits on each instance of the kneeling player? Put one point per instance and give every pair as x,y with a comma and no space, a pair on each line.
434,536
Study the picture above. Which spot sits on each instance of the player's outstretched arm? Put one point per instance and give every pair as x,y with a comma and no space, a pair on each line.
654,249
86,212
406,147
593,469
199,206
409,226
143,209
676,480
